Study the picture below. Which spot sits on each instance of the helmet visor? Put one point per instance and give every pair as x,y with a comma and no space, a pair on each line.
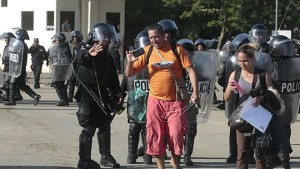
286,48
262,36
141,42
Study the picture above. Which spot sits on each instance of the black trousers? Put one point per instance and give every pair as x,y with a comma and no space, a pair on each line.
37,70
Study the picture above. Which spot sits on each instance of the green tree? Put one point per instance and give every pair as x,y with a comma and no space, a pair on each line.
212,18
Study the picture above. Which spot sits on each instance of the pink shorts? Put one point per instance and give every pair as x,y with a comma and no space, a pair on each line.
165,119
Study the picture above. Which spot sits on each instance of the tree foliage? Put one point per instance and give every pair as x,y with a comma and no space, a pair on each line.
212,18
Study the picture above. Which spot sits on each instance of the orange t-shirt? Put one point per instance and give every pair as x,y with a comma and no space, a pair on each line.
161,81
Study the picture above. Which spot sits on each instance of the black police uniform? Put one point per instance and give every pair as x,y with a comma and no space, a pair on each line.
116,57
38,55
95,73
72,81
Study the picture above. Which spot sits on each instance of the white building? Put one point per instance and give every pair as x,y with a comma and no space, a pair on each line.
43,18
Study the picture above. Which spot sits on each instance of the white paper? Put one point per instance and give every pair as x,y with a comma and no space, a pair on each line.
258,117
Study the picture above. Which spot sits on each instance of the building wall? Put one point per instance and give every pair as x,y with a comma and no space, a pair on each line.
87,13
11,15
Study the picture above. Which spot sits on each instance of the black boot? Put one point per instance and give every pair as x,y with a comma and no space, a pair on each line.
71,92
133,142
147,158
85,148
11,96
232,147
187,160
63,96
215,99
37,98
5,95
37,85
31,93
18,96
189,144
140,151
107,159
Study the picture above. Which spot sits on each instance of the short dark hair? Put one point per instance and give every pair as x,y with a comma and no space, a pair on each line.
157,27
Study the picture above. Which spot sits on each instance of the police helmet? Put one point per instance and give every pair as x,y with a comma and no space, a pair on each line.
102,31
21,34
297,46
260,32
76,33
226,46
212,43
169,25
7,35
187,44
141,40
241,39
60,37
201,42
281,45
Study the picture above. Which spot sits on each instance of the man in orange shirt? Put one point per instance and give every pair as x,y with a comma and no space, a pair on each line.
165,115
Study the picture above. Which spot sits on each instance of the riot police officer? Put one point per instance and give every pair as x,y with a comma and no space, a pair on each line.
191,115
170,29
5,60
261,33
285,75
114,51
60,57
38,55
17,67
96,74
200,44
205,65
76,43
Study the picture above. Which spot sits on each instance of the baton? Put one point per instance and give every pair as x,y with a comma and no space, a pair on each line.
91,92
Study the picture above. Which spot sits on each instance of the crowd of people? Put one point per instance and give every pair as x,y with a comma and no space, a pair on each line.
247,66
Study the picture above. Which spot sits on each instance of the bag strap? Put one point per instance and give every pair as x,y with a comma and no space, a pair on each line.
164,60
237,77
148,54
174,50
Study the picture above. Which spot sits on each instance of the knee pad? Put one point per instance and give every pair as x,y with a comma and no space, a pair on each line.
83,115
104,127
85,138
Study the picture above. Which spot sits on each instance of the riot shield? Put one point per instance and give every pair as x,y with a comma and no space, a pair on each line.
60,66
205,65
222,58
231,65
286,79
16,49
2,79
138,90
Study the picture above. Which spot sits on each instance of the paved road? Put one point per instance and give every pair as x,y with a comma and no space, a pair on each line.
46,136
